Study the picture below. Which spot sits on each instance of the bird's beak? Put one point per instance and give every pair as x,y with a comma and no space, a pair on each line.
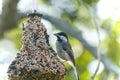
55,34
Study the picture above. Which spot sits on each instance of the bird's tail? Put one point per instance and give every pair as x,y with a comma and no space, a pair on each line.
75,70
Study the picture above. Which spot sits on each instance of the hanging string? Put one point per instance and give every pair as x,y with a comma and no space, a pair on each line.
34,9
34,6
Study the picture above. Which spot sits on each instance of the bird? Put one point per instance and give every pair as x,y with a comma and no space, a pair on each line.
65,51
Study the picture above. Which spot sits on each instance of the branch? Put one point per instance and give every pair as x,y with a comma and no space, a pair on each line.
98,34
8,16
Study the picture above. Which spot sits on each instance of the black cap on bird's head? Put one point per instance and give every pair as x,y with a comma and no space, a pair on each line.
61,34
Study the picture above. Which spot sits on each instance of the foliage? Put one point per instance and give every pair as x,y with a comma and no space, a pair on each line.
110,45
15,36
113,43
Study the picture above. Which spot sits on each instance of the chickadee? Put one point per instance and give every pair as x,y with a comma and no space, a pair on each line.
65,51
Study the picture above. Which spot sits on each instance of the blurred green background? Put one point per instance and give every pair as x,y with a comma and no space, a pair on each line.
70,13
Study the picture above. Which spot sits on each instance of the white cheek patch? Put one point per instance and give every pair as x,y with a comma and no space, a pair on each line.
63,38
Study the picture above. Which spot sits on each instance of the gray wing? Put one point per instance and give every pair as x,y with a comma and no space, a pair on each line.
68,49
